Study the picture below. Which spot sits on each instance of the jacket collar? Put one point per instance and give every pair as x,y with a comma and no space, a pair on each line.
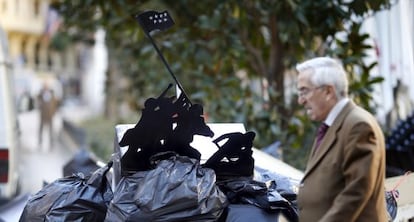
328,140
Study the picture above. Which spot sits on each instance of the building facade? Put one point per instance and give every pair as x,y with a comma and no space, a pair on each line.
30,26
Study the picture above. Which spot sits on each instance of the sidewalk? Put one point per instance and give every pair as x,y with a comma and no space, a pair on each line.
44,162
41,162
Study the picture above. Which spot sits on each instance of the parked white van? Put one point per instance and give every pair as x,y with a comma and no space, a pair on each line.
9,131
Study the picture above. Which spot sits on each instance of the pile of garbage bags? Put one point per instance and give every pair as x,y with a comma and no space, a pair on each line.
177,189
162,178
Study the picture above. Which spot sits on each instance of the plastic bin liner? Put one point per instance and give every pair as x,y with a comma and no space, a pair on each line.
249,213
286,186
83,162
260,194
178,189
72,198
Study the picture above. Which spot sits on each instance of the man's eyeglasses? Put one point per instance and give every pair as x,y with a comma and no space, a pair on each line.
305,91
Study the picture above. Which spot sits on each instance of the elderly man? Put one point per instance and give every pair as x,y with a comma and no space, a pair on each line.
345,173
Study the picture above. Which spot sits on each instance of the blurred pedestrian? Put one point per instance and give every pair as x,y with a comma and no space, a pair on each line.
47,108
345,173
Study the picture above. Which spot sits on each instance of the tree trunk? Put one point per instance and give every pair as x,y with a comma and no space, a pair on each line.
276,75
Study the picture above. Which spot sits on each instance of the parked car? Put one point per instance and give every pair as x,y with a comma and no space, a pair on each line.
9,131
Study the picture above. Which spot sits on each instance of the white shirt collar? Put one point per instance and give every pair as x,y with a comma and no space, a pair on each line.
335,111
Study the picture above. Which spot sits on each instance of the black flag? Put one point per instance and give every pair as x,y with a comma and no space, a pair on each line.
153,20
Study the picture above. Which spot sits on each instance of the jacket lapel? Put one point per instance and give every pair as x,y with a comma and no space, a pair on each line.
316,156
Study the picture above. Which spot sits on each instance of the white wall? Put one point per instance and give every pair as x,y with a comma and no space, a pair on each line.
392,34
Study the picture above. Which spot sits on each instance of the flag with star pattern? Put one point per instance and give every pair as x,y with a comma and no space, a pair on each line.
153,20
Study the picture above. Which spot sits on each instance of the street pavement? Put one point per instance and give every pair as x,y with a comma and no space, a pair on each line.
44,162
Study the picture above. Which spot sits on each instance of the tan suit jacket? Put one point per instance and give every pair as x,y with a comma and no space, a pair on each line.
47,105
344,178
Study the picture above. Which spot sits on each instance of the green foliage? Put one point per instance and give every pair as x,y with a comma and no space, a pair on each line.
213,41
100,133
60,41
353,50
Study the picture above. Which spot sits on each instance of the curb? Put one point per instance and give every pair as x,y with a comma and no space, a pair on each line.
72,137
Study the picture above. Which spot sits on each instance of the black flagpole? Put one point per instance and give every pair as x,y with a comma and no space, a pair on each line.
165,63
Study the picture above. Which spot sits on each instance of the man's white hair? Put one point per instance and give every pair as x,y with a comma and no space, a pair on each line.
326,71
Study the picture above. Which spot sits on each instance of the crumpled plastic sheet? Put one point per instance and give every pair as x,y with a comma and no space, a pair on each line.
249,213
178,189
286,186
83,162
268,191
73,198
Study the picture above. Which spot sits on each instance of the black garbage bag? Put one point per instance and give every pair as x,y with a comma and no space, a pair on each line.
286,186
178,189
260,194
83,162
72,198
249,213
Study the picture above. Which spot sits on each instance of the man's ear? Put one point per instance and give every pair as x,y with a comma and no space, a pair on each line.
330,91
